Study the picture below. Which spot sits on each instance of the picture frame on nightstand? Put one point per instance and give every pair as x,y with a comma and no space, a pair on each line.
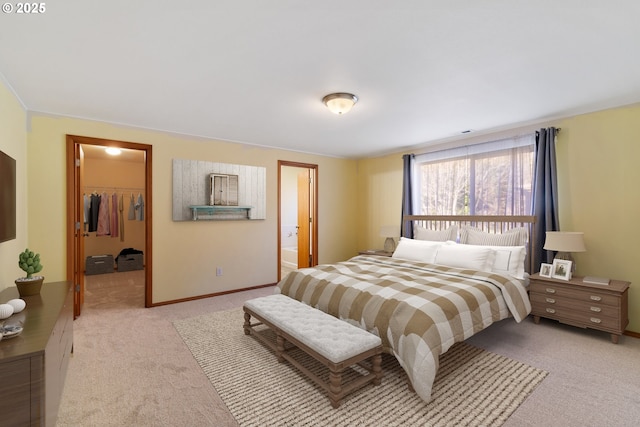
545,270
561,269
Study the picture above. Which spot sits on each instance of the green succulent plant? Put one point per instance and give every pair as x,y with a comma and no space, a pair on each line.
29,262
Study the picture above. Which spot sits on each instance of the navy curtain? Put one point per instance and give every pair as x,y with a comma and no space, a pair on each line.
545,194
407,204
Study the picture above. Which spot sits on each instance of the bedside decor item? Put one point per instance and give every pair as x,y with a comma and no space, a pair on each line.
596,280
389,231
17,304
561,269
11,331
546,269
565,243
29,262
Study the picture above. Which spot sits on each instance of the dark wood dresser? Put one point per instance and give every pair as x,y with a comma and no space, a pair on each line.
602,307
33,365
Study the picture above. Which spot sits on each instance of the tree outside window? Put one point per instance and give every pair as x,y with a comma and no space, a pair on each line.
486,179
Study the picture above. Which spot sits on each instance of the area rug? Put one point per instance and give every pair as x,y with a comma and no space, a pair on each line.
473,387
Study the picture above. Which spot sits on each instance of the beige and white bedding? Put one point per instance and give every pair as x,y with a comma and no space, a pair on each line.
419,310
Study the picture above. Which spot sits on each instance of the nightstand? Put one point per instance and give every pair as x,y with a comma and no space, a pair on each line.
375,252
601,307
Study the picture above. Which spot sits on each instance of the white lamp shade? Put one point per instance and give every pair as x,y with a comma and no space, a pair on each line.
390,231
564,241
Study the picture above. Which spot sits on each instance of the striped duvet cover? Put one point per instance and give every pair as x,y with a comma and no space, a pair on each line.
418,310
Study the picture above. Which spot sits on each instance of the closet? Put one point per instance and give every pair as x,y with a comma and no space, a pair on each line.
114,210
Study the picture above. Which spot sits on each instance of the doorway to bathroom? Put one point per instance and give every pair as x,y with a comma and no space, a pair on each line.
297,216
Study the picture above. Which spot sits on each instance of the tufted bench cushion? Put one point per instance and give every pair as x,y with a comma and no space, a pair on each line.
331,337
335,343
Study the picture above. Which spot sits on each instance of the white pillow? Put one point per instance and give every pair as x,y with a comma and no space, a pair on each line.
417,250
466,256
474,236
509,260
421,233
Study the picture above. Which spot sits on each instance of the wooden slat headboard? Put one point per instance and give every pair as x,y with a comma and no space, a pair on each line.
487,223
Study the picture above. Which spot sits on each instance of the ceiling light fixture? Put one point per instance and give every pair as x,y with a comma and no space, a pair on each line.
113,151
340,103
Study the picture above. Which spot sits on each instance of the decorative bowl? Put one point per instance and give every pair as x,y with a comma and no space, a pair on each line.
11,331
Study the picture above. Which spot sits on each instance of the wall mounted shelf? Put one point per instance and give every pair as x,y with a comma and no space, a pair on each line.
208,212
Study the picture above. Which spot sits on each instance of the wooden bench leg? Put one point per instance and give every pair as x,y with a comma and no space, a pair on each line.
247,323
280,347
335,388
376,367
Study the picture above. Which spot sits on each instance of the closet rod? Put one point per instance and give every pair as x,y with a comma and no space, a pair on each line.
92,187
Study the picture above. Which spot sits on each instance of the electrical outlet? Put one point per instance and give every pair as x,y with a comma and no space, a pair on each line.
218,271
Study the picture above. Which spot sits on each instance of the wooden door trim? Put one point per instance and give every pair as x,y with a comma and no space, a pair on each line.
71,142
314,210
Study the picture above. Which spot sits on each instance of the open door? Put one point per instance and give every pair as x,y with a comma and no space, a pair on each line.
305,183
78,229
304,219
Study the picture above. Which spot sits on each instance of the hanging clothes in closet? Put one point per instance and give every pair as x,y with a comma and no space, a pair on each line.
121,211
113,224
93,212
132,208
103,216
140,208
86,204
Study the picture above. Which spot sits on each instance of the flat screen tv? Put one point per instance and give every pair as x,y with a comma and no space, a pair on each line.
7,198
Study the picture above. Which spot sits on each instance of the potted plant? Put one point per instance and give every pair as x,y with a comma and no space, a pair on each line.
29,262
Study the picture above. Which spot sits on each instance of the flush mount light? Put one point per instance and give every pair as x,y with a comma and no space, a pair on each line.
113,151
340,103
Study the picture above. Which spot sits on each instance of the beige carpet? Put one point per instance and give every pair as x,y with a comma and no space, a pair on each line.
473,387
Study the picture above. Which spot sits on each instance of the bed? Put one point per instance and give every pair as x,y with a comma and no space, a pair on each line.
456,277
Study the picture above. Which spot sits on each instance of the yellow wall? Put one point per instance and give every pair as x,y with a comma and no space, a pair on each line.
13,139
379,198
598,174
598,171
186,254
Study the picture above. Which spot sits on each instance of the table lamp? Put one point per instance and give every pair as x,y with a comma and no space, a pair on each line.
565,243
389,231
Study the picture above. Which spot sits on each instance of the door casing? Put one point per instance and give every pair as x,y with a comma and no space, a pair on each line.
313,210
75,240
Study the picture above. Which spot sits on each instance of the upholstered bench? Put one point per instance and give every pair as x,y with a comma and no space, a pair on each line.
331,341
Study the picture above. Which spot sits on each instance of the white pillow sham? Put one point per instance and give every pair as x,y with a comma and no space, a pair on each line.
416,250
466,256
421,233
508,260
474,236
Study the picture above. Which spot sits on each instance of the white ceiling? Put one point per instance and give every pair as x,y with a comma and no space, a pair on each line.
255,71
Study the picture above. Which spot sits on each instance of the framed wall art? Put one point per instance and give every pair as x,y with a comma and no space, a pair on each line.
218,191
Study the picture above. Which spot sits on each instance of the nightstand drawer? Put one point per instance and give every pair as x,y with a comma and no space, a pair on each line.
575,305
573,292
580,319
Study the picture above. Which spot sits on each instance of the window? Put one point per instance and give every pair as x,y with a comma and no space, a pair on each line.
493,178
